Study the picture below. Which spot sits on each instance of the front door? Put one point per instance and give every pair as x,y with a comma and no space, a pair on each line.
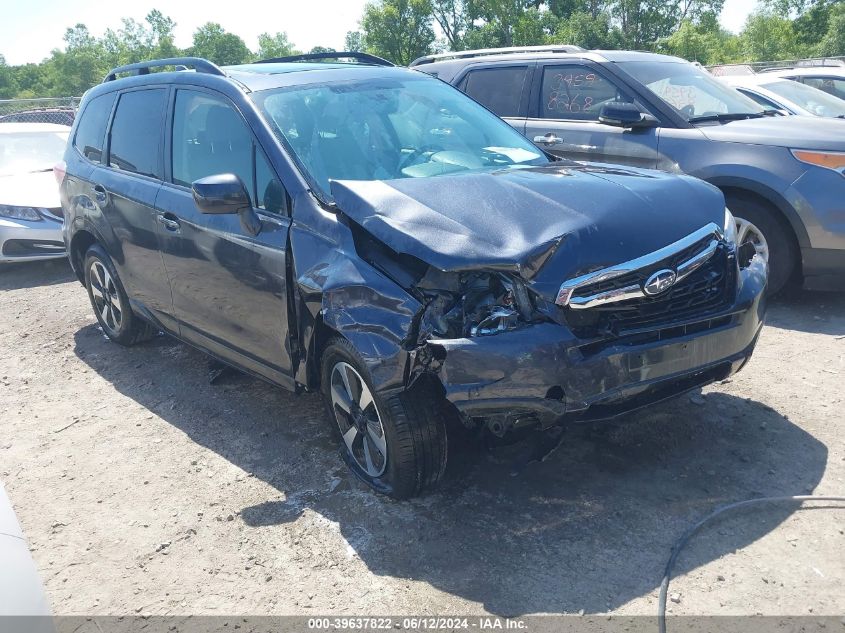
228,282
564,118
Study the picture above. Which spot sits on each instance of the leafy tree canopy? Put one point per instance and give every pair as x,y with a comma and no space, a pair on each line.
402,30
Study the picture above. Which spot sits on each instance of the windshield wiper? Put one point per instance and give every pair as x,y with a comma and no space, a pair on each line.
729,116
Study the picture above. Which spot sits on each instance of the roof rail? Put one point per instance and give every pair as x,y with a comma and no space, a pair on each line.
143,68
551,48
364,58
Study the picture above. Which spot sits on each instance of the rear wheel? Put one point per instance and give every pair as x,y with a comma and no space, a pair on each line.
396,445
109,300
761,225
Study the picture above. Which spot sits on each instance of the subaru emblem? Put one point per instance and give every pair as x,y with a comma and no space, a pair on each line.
659,282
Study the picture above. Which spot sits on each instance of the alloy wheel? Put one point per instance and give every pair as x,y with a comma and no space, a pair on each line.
748,232
106,298
358,419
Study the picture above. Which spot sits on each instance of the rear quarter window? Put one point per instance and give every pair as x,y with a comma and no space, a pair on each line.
497,89
136,132
91,131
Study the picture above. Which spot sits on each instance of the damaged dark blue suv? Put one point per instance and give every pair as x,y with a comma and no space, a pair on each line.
372,232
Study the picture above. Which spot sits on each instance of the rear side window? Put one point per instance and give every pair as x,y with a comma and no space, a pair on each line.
91,131
576,92
136,132
497,89
830,85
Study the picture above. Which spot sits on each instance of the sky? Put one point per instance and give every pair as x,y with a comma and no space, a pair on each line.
30,30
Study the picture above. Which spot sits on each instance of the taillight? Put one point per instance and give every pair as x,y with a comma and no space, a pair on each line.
59,171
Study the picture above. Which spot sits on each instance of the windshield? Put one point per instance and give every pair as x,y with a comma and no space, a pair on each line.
379,129
816,101
22,152
693,92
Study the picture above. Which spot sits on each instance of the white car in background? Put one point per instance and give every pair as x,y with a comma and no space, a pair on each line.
778,93
828,78
30,210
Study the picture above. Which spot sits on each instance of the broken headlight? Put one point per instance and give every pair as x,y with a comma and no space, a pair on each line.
730,229
481,304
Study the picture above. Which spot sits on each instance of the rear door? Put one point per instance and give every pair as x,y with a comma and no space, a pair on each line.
229,290
566,100
503,89
125,190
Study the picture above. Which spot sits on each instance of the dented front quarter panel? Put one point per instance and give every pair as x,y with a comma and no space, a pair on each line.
336,287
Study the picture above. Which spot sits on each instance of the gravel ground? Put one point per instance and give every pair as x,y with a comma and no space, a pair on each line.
144,489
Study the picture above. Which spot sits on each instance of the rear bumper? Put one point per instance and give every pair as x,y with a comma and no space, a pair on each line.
546,373
22,241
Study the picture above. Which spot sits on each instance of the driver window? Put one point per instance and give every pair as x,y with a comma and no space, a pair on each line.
576,93
209,138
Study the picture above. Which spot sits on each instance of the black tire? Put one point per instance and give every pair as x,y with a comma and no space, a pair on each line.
783,251
111,307
415,433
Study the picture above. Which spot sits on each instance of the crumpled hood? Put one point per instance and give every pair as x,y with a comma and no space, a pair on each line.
794,132
545,223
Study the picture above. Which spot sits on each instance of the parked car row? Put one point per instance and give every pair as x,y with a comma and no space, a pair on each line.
782,179
786,96
30,211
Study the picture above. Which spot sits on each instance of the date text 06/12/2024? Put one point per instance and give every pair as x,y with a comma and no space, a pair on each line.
481,623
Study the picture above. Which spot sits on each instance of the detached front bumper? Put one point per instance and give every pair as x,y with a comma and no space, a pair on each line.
24,241
544,373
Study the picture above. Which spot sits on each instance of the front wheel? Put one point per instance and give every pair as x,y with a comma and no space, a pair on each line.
396,445
759,224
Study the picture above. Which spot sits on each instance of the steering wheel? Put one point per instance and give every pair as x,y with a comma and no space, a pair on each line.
688,111
415,154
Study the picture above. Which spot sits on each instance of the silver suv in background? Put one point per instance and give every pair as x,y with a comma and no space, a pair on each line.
783,177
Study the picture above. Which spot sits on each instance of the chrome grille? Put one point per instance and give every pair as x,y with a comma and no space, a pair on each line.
613,300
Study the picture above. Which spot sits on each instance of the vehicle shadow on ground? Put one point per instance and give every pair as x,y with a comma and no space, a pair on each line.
34,274
807,311
603,510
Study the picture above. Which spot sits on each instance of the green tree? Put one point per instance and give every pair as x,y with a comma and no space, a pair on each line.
454,17
321,49
833,42
8,85
278,45
400,30
767,37
214,43
644,23
589,31
354,41
707,43
82,64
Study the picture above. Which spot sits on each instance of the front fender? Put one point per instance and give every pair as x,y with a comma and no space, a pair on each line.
340,293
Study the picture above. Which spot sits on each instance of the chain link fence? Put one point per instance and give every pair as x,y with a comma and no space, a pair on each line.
752,68
59,110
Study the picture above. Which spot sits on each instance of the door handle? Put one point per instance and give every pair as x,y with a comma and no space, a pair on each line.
169,221
100,193
548,139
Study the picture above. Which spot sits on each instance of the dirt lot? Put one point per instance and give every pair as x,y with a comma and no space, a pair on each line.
143,488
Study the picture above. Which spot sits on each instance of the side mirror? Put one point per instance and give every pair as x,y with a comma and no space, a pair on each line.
623,114
220,194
